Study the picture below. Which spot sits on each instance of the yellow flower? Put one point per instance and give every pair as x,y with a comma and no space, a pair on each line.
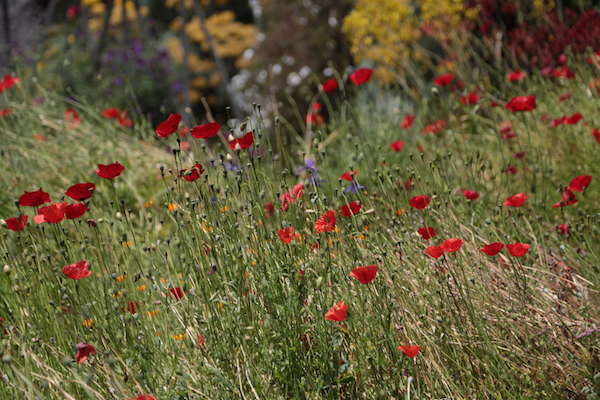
88,323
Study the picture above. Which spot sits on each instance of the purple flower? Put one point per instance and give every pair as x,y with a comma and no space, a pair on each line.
354,187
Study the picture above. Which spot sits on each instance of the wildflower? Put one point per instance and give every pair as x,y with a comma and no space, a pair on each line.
557,122
146,396
77,271
573,119
564,229
72,11
244,142
54,213
206,131
470,99
361,75
16,224
201,342
451,245
435,127
521,103
516,201
75,210
87,323
38,137
124,120
315,119
579,183
83,351
177,293
109,171
410,351
518,249
169,126
596,134
470,194
427,232
564,96
326,222
8,82
337,312
365,274
110,113
193,174
291,196
435,251
269,209
492,249
34,199
510,170
517,75
72,118
348,211
5,112
149,203
568,199
132,307
520,154
444,80
397,146
329,85
81,191
286,235
354,187
347,176
407,122
419,202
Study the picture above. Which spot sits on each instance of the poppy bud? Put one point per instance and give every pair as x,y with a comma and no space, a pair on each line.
7,269
435,91
229,158
7,359
119,216
231,138
2,223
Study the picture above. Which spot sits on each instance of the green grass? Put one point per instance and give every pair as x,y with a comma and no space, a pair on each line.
491,327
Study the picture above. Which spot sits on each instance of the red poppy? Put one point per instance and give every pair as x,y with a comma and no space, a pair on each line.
54,213
444,80
407,121
568,199
516,201
470,99
419,202
81,191
316,107
34,199
562,72
72,118
579,183
564,229
83,351
15,224
557,122
201,341
177,293
347,175
407,184
564,96
435,251
451,245
510,170
470,194
109,171
8,82
518,249
75,210
169,126
72,11
269,209
206,131
286,235
350,211
124,120
291,196
326,222
396,146
492,249
520,154
435,127
521,103
596,134
147,396
337,312
427,233
132,307
517,75
77,271
5,112
315,119
194,173
244,142
329,85
410,351
573,119
365,274
361,76
111,113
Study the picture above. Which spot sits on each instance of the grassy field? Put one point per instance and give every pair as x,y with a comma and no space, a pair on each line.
230,286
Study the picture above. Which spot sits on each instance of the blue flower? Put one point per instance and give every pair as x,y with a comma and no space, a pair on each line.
354,187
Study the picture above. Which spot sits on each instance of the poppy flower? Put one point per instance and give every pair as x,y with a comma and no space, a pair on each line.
244,142
520,154
81,191
147,396
194,173
353,209
521,103
77,271
169,126
573,119
579,183
315,119
470,99
111,113
562,72
451,245
518,249
557,122
109,171
291,196
410,351
124,120
510,170
568,199
34,199
201,341
72,118
397,146
326,222
269,209
470,194
596,134
444,80
5,112
346,176
206,131
286,235
131,306
516,201
329,85
361,76
8,82
177,293
407,122
564,96
427,232
435,251
407,184
492,249
517,75
365,274
15,224
564,229
83,351
337,312
419,202
435,127
75,210
54,213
